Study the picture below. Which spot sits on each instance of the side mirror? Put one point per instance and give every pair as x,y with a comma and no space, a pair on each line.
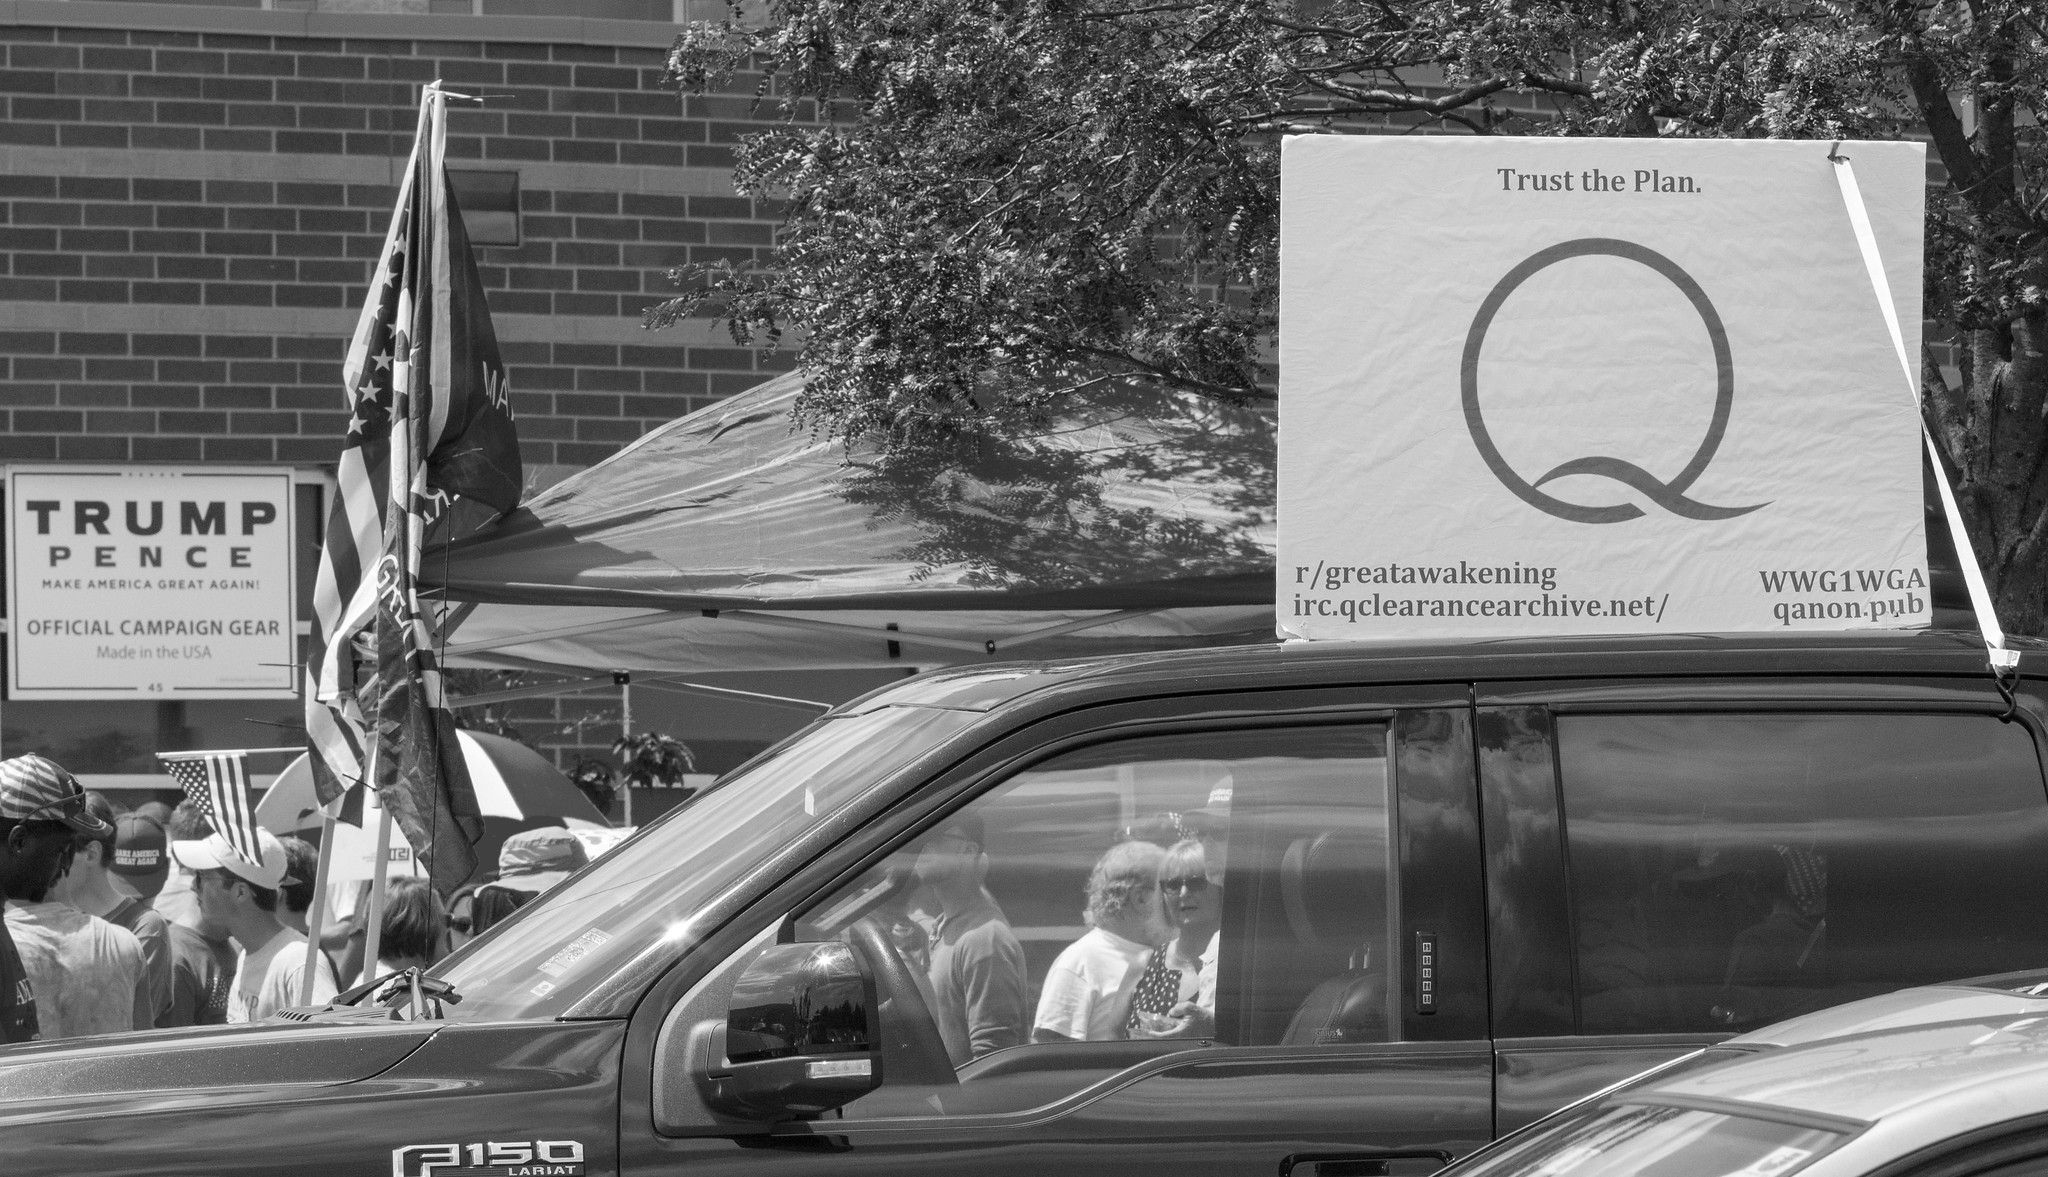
802,1035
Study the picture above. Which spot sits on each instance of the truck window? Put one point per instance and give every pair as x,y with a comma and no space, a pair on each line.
1212,887
644,895
1729,870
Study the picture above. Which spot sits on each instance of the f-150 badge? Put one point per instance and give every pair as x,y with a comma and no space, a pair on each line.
490,1158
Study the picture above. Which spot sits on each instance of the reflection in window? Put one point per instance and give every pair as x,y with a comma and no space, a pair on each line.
1226,887
1730,870
1621,1139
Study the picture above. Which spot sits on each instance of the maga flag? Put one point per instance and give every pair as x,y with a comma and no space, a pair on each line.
430,419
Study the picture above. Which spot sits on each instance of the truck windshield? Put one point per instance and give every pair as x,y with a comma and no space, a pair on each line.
538,962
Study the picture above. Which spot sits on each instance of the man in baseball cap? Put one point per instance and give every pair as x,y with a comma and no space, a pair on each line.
142,855
535,860
39,804
78,973
41,807
529,863
91,885
241,896
33,789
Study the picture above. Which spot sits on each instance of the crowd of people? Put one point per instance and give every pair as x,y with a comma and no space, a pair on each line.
1145,968
151,919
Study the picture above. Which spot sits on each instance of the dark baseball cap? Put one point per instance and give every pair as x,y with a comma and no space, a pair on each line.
142,852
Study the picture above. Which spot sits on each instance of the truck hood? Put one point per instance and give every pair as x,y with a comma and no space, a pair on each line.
261,1056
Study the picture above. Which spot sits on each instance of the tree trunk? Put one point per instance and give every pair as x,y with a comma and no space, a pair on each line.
2005,493
1991,426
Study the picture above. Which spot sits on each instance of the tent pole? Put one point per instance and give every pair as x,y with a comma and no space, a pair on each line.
596,682
626,732
894,635
907,638
667,683
458,649
317,910
380,871
1053,631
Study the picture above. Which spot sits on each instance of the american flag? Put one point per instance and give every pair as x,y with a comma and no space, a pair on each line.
423,349
218,783
344,598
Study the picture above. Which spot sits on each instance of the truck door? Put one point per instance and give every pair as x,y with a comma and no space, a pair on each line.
1330,998
1671,864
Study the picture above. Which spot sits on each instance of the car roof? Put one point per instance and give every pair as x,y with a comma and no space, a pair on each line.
2006,996
1948,1076
1302,663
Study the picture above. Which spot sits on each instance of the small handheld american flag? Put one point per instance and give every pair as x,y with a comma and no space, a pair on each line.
218,783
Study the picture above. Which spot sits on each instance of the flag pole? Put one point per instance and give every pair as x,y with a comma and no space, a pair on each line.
373,927
203,753
401,475
317,914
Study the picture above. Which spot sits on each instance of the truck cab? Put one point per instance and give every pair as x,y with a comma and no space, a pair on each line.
1458,886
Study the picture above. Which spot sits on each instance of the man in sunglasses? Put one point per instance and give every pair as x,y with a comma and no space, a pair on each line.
243,897
76,973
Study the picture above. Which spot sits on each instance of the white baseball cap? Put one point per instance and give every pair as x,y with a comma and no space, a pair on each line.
215,853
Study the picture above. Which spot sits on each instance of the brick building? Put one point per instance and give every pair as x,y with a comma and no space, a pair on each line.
191,199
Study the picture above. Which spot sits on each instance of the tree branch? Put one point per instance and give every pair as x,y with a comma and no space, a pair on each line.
1950,141
1166,374
1324,30
1555,85
1119,14
1388,100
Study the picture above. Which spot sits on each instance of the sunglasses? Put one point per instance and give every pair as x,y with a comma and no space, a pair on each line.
1192,884
63,807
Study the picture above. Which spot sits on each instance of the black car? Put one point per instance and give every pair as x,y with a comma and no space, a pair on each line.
1451,887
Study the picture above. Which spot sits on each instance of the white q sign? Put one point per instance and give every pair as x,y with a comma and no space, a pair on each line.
1566,386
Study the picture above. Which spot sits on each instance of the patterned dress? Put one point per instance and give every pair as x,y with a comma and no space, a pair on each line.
1162,986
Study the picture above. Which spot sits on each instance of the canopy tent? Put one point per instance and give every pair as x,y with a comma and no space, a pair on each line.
733,539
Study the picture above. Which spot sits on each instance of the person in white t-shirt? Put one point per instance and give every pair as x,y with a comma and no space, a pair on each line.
242,896
82,974
88,975
89,886
1087,993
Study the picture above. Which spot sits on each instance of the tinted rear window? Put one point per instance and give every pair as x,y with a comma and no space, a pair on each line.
1729,870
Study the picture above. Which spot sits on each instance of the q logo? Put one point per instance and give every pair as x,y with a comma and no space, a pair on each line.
1669,495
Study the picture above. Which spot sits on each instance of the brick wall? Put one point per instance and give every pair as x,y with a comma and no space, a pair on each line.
187,218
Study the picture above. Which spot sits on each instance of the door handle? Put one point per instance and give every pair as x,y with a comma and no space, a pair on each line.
1363,1164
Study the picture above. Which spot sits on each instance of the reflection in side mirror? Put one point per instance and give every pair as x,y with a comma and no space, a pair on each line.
801,1034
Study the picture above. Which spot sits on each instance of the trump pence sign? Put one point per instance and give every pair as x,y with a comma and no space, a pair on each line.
1595,386
150,582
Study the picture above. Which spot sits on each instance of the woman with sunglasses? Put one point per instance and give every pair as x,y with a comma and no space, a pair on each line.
1176,996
